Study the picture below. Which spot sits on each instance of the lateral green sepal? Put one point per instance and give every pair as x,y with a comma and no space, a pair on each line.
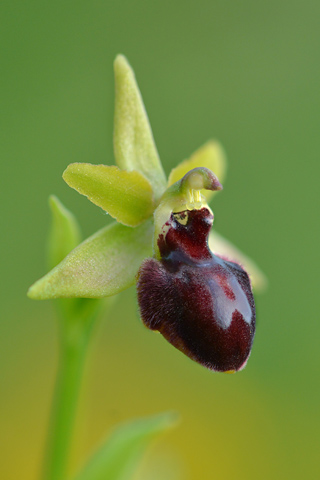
220,246
103,265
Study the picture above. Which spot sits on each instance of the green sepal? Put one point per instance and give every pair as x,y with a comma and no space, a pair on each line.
118,457
134,146
103,265
64,233
220,246
126,196
211,155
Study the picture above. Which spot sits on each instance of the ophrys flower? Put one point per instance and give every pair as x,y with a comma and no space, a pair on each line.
135,193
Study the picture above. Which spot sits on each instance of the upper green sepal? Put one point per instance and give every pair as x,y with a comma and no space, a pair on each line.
64,233
134,146
103,265
126,196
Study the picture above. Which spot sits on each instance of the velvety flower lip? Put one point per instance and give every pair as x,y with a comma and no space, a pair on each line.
150,214
202,304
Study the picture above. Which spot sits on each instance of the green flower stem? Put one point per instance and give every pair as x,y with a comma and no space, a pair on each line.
75,333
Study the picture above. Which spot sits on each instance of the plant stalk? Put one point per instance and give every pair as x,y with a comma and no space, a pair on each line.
74,339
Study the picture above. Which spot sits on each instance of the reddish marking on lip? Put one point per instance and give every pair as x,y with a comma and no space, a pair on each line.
229,293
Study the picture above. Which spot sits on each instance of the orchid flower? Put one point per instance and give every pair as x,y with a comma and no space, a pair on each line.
147,209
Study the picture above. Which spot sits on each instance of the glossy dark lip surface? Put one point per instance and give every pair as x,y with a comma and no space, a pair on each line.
201,303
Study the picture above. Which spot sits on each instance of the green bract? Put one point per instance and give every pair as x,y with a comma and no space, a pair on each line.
107,262
64,234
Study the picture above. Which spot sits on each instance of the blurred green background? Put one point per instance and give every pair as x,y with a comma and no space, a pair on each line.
246,73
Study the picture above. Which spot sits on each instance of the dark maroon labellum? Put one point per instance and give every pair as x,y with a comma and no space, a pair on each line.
201,303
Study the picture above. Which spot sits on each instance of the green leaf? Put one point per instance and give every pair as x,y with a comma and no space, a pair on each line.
64,234
134,146
119,455
211,155
103,265
126,196
220,246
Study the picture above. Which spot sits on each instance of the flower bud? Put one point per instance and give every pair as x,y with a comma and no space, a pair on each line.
201,303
